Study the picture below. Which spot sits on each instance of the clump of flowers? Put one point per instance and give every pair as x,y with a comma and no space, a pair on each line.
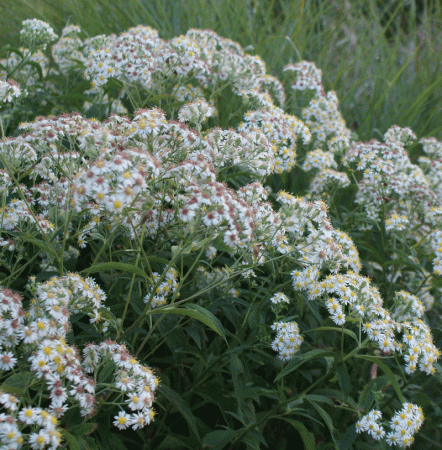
282,131
279,297
133,383
9,90
39,335
288,339
403,425
34,426
36,34
67,51
195,112
322,115
164,286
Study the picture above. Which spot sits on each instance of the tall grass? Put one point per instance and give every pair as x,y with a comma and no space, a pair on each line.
384,58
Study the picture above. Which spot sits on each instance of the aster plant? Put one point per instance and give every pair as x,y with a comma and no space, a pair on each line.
176,241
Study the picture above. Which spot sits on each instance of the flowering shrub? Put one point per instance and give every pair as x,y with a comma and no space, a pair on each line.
151,269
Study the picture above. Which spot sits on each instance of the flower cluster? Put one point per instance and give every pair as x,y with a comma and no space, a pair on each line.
9,90
196,112
354,294
36,33
164,286
404,425
288,339
279,297
41,331
322,115
396,222
219,279
282,131
29,425
131,380
318,159
67,51
211,62
387,173
327,181
405,195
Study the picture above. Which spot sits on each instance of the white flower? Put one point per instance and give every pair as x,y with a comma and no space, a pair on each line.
338,318
279,297
122,420
29,416
135,402
9,401
186,214
138,420
7,360
40,440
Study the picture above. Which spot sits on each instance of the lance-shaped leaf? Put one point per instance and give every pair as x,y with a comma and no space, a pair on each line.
121,267
387,372
298,360
196,312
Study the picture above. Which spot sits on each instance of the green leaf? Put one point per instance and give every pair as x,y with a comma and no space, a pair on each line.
403,260
121,267
36,66
72,97
12,390
257,435
251,442
318,399
107,315
195,334
157,259
298,360
106,373
88,443
326,418
221,246
71,441
111,441
313,307
343,377
339,330
171,442
183,408
90,331
138,331
307,437
18,383
38,242
196,312
83,429
366,398
218,439
255,391
387,372
113,83
12,49
336,394
349,437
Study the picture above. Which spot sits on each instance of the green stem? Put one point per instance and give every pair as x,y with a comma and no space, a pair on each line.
132,281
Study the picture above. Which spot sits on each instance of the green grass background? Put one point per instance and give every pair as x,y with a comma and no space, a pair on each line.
383,57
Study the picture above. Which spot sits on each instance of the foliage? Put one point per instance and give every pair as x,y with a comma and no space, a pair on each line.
196,253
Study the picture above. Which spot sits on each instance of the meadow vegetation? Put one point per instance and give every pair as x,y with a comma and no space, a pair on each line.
220,233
